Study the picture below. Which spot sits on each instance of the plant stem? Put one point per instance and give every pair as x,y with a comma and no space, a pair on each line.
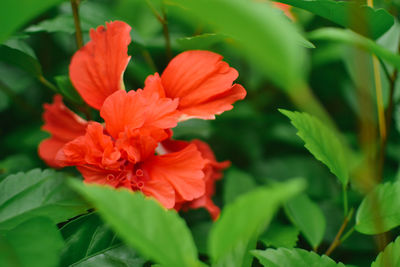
48,84
336,242
78,31
347,234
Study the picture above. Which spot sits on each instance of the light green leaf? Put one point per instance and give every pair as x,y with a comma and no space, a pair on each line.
237,183
12,16
308,217
143,224
322,142
89,242
202,42
352,38
37,193
67,89
278,235
21,60
242,221
378,20
390,256
380,210
294,257
33,243
253,25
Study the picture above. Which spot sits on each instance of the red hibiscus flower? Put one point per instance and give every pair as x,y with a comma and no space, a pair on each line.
132,149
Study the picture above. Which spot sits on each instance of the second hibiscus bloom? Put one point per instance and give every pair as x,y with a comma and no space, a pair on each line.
133,148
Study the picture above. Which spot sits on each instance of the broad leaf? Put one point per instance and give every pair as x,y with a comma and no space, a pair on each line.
88,241
253,25
322,142
237,183
204,41
352,38
308,217
294,257
21,60
33,243
378,21
278,235
390,256
143,224
37,193
14,14
67,89
380,210
241,222
15,163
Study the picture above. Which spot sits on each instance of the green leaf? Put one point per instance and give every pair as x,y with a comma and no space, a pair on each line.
15,163
202,42
352,38
322,143
21,60
143,224
89,242
378,20
12,16
242,221
380,210
390,256
33,243
308,217
278,235
61,23
37,193
237,183
253,25
67,89
294,257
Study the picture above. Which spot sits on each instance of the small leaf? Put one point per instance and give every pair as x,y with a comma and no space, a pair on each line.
143,224
390,256
242,221
33,243
237,183
294,257
278,235
308,217
378,20
352,38
37,193
67,89
380,210
322,142
21,60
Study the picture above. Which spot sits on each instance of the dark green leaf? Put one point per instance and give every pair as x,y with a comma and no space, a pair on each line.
378,20
308,217
352,38
21,60
278,235
67,89
236,231
142,223
37,193
254,25
13,16
236,183
322,142
295,257
380,210
15,163
390,256
33,243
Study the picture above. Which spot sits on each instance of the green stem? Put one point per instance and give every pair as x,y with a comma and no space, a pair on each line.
48,84
347,234
336,242
78,31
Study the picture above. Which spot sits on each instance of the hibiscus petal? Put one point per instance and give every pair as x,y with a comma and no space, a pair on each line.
162,191
96,70
182,169
200,77
64,126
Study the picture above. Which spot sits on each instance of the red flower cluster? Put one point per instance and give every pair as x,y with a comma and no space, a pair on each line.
133,148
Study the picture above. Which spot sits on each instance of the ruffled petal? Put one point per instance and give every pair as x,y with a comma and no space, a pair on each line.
64,126
96,70
182,169
198,78
162,191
